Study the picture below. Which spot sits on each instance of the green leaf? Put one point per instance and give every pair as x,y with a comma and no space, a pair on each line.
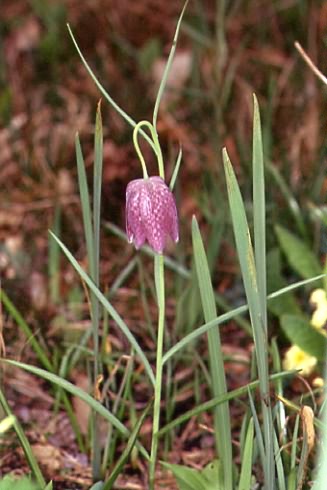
148,54
97,486
221,413
10,483
85,202
109,308
257,308
232,314
246,470
76,391
32,461
259,211
117,108
191,479
127,451
231,395
214,475
276,281
167,68
298,254
301,333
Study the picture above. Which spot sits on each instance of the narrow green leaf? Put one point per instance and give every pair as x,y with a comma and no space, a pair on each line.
127,451
257,314
221,413
24,483
110,309
95,260
246,470
97,486
191,479
279,465
97,181
259,211
167,68
231,314
276,281
176,169
85,202
186,478
33,464
209,405
290,199
301,333
258,432
54,259
74,390
105,93
41,353
299,256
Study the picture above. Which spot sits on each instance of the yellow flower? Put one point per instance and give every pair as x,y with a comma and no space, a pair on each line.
318,298
318,382
319,317
296,358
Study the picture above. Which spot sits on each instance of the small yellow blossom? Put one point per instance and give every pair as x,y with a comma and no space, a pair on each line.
296,358
318,382
318,296
319,317
319,299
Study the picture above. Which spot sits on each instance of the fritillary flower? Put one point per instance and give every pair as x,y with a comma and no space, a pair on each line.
151,214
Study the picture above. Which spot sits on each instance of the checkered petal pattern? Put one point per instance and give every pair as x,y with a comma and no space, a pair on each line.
151,214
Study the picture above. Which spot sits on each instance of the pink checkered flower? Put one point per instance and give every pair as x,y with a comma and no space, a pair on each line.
151,213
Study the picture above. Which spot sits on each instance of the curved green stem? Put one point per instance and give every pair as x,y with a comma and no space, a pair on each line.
160,288
156,148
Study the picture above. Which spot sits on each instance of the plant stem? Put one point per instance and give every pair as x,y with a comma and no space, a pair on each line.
160,288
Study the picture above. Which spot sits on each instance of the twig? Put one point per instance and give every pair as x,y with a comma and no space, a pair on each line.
310,63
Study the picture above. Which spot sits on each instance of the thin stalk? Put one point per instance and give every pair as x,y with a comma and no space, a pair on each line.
156,148
160,287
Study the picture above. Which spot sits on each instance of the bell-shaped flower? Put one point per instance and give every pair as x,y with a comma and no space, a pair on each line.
151,213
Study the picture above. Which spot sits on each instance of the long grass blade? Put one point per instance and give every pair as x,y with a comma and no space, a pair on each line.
227,316
167,68
95,260
176,169
257,427
85,202
33,464
104,92
246,469
218,381
42,355
279,465
76,391
249,274
259,212
209,405
110,309
127,450
97,181
40,352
